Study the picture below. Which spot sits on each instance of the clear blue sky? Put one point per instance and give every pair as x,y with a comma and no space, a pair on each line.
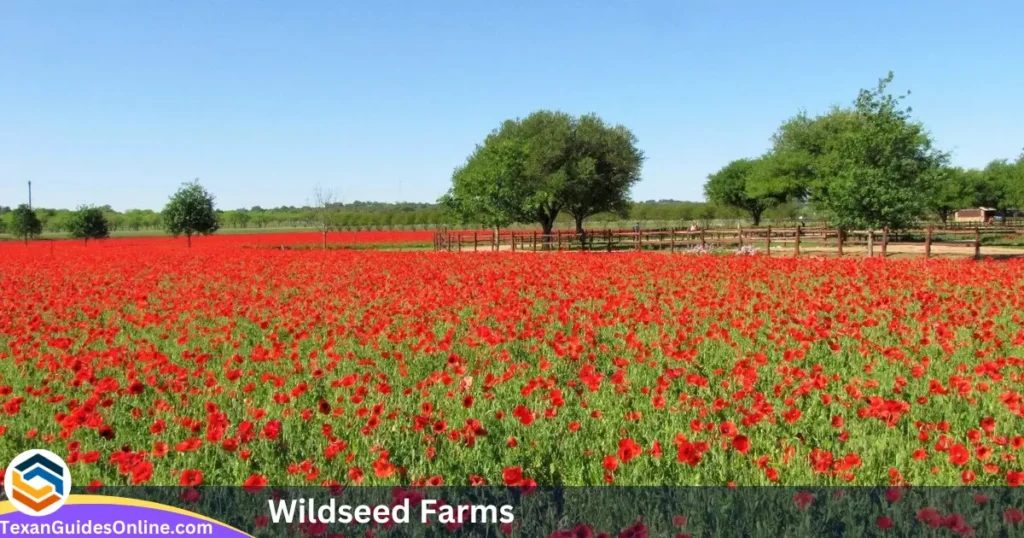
121,101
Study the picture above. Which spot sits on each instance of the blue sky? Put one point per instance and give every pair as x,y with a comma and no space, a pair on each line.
121,101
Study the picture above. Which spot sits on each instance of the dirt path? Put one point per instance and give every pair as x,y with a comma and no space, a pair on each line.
911,250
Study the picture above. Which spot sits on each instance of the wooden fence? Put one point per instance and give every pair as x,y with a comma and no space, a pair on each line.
768,240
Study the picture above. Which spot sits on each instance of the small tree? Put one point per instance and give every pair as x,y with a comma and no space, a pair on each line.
747,185
325,211
190,211
25,223
88,223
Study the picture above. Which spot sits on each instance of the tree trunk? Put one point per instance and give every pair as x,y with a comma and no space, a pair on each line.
755,216
871,243
325,239
189,236
579,224
546,225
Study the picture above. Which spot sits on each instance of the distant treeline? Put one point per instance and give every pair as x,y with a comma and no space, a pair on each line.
404,215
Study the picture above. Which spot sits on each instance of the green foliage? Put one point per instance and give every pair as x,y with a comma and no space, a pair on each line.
88,223
190,211
953,191
529,170
1017,184
605,165
1001,185
24,223
138,219
489,188
750,185
869,166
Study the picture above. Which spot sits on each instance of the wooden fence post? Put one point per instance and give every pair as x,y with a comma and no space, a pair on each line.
839,240
928,242
977,243
672,241
768,241
871,243
460,242
703,241
796,241
885,241
608,237
513,241
533,247
474,241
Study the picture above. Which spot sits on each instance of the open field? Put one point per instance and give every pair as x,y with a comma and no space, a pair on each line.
143,364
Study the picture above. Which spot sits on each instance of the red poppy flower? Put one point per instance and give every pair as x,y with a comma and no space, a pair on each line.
190,477
254,483
741,444
512,476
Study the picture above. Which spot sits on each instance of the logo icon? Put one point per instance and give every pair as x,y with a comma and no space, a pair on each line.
37,482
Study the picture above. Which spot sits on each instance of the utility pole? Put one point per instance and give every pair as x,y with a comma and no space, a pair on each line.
30,195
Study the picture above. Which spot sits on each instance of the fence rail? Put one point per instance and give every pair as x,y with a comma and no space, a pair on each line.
771,240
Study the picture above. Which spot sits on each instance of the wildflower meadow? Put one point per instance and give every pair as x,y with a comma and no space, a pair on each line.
141,364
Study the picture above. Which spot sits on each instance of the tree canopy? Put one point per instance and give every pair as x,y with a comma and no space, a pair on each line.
868,166
531,169
24,223
88,223
751,185
190,211
1001,185
953,190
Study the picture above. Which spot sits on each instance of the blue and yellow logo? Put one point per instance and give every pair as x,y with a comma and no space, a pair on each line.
37,482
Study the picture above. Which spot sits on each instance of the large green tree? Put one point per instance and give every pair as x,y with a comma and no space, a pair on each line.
750,185
490,188
24,223
869,166
604,164
531,169
190,211
88,223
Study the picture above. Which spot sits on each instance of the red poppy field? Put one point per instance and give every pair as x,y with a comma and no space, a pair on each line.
224,366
